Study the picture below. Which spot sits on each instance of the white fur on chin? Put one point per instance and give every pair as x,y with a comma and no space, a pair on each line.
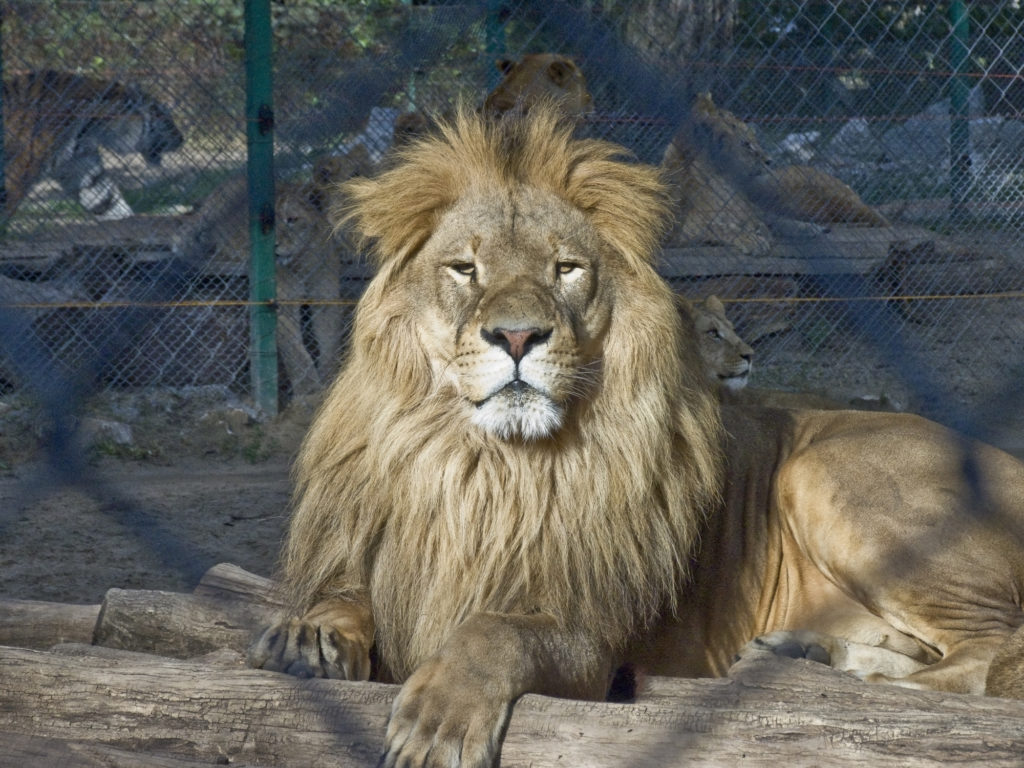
526,414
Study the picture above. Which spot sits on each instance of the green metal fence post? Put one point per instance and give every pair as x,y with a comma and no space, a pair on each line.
959,109
259,121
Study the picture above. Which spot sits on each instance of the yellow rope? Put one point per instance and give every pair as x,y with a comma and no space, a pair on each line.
353,302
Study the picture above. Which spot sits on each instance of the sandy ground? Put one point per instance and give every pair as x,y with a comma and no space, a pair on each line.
199,482
131,524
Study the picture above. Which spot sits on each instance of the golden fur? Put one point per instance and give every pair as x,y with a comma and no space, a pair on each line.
388,388
800,192
709,208
460,532
538,77
516,484
727,358
727,193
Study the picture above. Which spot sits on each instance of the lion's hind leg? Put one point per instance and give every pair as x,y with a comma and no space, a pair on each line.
1005,675
331,640
860,659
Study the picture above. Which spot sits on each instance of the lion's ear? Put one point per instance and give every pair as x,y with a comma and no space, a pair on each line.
505,65
561,71
714,305
704,104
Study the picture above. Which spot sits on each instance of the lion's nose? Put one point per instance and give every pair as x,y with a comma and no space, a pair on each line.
516,342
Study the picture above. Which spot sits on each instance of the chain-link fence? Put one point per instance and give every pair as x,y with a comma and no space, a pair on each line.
845,176
860,222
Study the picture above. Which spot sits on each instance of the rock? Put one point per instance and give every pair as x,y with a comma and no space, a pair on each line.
93,431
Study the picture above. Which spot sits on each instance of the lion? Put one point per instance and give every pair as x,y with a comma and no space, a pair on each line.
800,192
536,77
521,479
307,260
709,209
727,359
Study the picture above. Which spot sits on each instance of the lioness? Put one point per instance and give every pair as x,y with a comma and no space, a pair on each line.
536,77
800,192
539,77
517,482
727,359
307,259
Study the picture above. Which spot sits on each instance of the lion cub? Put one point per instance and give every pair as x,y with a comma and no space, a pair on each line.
728,363
723,185
536,77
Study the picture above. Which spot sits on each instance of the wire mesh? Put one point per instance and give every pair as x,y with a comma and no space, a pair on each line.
911,114
909,111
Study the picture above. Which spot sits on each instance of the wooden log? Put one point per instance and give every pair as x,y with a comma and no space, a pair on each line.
178,625
227,580
39,752
39,624
770,711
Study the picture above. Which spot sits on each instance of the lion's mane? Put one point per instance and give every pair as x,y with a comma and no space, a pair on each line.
437,519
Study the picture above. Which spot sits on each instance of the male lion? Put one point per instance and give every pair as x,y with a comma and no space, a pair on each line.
505,488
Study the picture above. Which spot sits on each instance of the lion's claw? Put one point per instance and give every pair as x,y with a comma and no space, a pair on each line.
305,648
445,716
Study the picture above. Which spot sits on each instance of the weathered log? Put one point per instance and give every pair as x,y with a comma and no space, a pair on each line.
36,752
38,624
178,625
227,580
770,711
226,609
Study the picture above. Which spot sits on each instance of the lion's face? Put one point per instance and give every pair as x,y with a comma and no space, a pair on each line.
517,310
727,358
730,140
540,77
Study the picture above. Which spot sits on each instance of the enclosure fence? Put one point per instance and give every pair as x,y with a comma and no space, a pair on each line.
188,281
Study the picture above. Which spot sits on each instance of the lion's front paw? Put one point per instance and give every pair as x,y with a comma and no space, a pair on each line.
445,716
791,644
332,641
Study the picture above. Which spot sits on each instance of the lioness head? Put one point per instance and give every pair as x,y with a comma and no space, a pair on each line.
539,77
730,141
727,358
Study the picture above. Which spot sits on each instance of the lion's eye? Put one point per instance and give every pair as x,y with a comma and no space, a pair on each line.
713,333
463,270
566,268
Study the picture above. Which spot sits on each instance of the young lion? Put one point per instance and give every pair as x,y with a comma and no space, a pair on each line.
308,265
537,77
800,192
518,480
728,359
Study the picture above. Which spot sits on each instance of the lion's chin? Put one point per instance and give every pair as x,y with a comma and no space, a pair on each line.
518,412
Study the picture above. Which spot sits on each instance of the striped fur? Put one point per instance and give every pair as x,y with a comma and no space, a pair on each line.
55,123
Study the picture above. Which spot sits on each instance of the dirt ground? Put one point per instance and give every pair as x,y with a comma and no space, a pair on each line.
152,514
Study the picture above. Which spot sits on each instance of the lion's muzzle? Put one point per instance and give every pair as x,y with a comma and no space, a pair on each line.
515,342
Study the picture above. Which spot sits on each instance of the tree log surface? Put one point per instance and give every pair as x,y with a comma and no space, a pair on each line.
770,710
40,624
